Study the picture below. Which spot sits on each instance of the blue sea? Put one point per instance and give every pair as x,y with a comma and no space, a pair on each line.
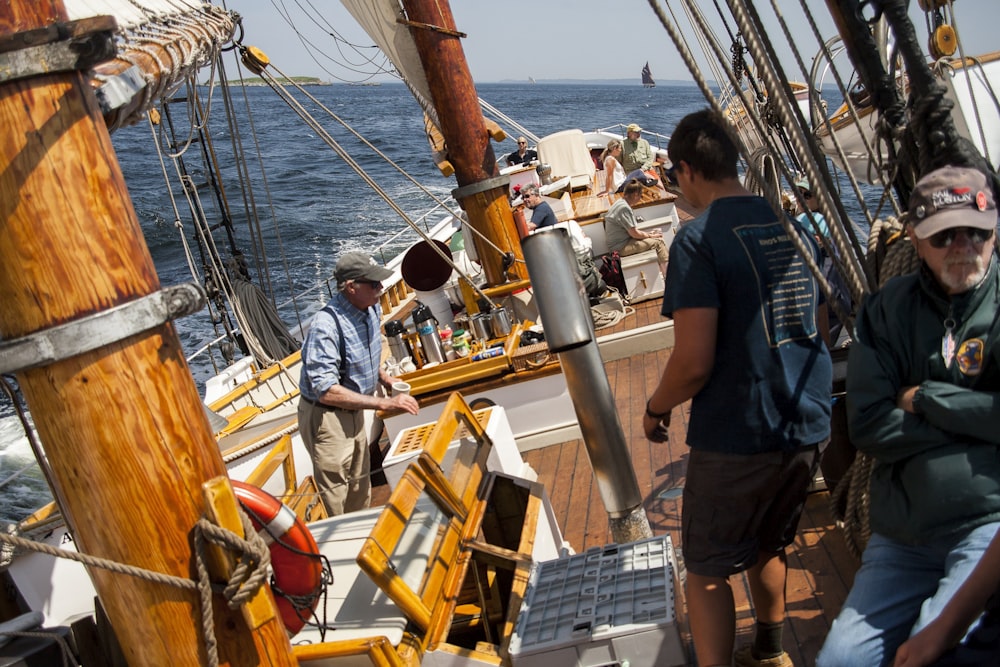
319,206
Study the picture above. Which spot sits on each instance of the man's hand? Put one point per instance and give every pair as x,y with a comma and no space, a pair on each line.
403,402
657,430
923,648
904,401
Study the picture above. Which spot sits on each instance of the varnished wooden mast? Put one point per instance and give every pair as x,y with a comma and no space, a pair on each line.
481,193
123,427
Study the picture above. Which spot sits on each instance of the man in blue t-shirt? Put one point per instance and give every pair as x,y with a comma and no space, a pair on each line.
749,356
542,214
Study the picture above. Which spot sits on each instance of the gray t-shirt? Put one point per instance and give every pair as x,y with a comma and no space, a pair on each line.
617,221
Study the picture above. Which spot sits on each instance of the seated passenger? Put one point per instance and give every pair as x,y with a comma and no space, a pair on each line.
802,217
614,173
523,154
922,388
940,639
621,231
542,214
637,155
593,283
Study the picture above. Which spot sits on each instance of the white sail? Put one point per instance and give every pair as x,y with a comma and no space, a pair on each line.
378,18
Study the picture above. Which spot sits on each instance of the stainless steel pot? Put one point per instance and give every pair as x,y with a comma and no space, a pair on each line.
500,322
481,327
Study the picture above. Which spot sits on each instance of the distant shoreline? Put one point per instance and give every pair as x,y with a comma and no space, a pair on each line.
315,81
251,81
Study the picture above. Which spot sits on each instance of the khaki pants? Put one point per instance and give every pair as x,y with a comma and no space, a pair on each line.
336,441
635,246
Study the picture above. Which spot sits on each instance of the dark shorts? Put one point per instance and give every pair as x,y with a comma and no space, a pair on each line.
735,506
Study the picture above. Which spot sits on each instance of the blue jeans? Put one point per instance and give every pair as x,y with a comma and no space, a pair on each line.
898,590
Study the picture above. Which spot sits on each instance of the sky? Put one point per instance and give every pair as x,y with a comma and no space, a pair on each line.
516,39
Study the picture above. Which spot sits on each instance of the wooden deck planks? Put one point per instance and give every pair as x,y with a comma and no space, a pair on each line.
820,567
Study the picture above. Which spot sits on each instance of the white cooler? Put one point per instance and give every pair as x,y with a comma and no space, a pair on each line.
608,606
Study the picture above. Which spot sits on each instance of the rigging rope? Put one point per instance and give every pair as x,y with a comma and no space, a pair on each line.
770,194
344,155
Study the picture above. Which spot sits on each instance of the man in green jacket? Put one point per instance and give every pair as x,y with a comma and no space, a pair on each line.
636,153
923,386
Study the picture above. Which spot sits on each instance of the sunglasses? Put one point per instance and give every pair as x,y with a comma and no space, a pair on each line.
522,143
374,284
943,239
806,194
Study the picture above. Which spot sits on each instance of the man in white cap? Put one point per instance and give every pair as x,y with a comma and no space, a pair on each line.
922,388
636,153
341,369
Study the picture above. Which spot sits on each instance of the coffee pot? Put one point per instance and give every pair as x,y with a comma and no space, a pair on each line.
399,347
427,329
481,326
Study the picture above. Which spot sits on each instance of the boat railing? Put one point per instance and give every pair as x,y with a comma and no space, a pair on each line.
406,229
386,251
659,140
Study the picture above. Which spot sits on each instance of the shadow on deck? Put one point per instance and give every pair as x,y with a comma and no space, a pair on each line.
820,567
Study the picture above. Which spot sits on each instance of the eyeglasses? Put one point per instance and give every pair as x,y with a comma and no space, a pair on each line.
806,194
522,143
943,239
374,284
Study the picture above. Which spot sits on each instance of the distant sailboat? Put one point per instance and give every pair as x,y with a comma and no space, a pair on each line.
647,77
531,79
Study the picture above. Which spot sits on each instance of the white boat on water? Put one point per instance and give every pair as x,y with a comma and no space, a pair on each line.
457,565
850,134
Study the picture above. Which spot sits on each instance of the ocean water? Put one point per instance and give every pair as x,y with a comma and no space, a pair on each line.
319,206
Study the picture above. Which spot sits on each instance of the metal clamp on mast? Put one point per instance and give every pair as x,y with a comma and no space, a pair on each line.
95,331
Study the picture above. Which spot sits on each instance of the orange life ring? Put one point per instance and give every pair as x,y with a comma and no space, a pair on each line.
297,571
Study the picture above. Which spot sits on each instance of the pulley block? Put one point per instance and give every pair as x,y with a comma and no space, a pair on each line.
943,42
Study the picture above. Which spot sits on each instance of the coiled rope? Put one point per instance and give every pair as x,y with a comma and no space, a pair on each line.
250,573
608,318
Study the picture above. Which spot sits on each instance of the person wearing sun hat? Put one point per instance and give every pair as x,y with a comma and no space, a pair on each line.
817,225
341,369
636,152
922,385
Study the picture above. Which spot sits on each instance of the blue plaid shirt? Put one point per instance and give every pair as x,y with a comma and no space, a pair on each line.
343,346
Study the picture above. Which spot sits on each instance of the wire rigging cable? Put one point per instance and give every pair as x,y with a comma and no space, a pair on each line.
296,106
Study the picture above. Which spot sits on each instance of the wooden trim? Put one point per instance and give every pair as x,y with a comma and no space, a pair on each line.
221,506
378,649
259,380
280,456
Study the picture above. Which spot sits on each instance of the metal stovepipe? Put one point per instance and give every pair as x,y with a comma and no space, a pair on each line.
569,332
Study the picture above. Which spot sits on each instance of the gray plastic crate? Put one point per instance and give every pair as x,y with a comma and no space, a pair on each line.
608,606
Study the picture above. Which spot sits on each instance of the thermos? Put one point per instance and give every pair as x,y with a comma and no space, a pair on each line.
430,341
398,345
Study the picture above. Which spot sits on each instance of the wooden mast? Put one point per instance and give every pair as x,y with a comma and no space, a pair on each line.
123,427
482,192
